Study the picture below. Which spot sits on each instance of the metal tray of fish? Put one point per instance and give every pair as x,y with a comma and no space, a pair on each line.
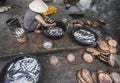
84,36
55,32
22,69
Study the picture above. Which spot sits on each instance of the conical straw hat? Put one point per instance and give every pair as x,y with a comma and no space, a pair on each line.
38,6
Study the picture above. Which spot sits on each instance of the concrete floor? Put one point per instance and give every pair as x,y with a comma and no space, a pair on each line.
64,71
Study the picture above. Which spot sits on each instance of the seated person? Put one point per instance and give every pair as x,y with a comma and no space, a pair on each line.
33,18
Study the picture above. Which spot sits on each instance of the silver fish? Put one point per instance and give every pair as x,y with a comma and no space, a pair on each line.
85,36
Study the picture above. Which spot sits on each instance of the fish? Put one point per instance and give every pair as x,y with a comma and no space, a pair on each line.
54,31
25,70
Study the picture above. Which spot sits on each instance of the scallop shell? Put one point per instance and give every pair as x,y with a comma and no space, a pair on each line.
103,45
88,58
112,42
79,77
93,51
86,75
104,78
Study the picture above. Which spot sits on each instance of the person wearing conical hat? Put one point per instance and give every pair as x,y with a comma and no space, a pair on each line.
33,18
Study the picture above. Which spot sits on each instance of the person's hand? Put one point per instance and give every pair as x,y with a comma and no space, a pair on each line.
54,24
46,16
51,25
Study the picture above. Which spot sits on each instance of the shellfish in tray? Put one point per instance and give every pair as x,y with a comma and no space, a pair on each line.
86,76
115,76
93,51
79,77
88,58
104,78
103,45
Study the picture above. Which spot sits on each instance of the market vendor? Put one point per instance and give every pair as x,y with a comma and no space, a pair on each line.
33,18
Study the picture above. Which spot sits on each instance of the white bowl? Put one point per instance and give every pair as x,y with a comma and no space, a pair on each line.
48,45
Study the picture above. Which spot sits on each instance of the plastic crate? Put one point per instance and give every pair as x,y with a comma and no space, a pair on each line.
51,10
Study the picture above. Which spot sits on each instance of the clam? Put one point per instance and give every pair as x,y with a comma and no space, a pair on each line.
103,58
112,42
79,77
100,71
93,51
88,58
86,75
108,59
95,24
112,50
108,38
103,45
104,78
53,60
71,57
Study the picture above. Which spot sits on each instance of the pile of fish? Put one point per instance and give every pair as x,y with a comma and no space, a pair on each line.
100,76
84,36
26,70
105,51
54,31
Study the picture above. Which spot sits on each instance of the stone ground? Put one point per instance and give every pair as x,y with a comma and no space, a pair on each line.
64,71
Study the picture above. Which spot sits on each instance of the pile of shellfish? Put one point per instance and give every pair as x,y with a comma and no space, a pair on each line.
100,76
88,23
105,51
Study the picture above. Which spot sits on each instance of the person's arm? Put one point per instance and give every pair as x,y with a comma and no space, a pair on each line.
42,21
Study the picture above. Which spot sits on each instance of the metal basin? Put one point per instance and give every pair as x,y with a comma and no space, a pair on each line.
24,68
55,32
84,36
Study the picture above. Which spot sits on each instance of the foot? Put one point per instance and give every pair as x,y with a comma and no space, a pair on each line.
38,31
